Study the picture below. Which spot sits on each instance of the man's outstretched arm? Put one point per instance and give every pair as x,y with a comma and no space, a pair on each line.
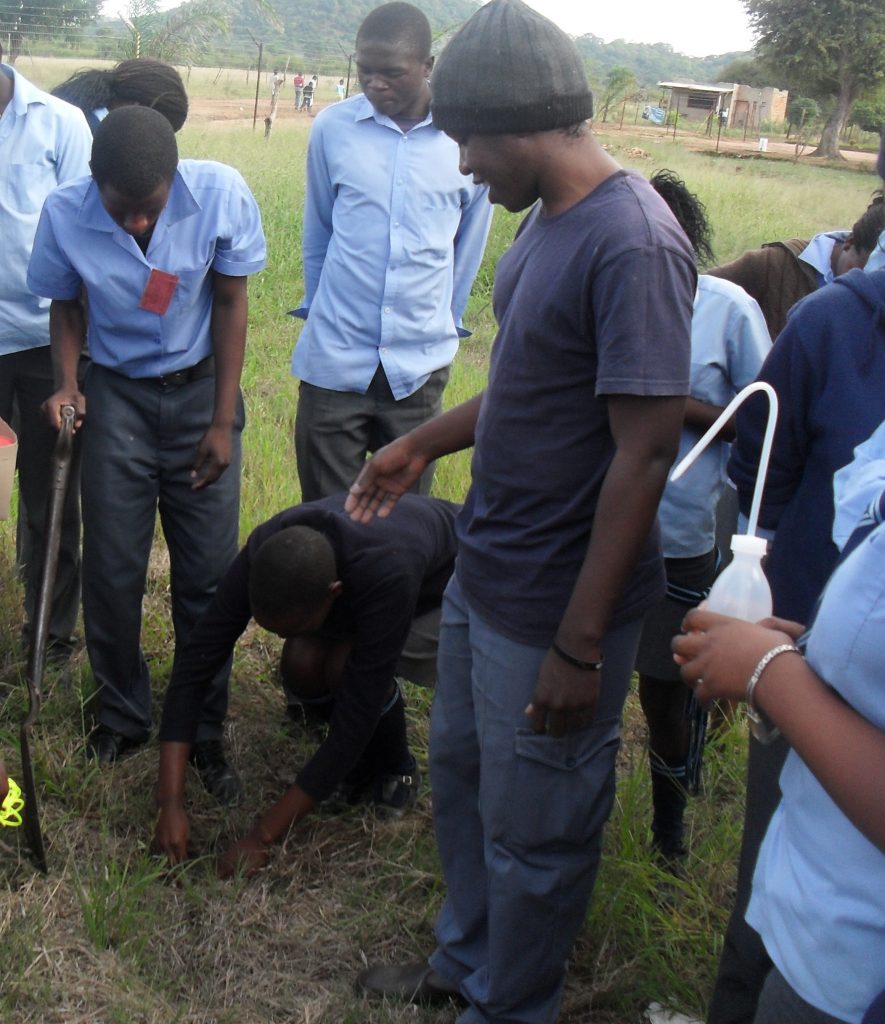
394,469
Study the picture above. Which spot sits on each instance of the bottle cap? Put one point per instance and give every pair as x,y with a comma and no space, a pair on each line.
748,544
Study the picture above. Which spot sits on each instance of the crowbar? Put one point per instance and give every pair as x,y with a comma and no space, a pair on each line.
61,466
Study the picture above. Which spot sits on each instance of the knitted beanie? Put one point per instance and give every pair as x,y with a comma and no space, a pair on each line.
509,70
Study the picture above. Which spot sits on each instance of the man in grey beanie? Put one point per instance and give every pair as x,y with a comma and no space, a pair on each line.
559,555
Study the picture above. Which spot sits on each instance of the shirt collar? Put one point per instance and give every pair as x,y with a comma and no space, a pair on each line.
23,92
818,253
365,111
181,205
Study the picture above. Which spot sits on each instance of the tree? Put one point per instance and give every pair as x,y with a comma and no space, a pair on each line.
177,36
21,20
619,82
837,47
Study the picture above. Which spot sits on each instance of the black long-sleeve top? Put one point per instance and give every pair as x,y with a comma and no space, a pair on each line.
392,570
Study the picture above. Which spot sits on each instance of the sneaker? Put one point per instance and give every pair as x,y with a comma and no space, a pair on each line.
218,777
393,795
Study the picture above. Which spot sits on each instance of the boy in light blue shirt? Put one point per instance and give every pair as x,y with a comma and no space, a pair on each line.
163,250
43,143
393,236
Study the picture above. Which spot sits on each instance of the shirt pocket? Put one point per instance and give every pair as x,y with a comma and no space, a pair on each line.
565,786
28,185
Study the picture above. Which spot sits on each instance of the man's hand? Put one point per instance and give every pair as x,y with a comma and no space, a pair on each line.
249,855
564,699
390,472
65,396
172,833
214,453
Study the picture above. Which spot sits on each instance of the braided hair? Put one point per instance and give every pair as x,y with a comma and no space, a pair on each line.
144,81
688,210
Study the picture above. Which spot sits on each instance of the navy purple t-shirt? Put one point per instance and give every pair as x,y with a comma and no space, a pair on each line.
592,302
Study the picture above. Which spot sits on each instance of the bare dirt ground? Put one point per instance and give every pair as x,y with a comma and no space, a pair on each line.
205,110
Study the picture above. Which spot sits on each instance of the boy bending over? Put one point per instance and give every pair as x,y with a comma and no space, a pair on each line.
352,601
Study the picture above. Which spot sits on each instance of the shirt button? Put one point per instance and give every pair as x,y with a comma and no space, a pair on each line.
396,223
387,309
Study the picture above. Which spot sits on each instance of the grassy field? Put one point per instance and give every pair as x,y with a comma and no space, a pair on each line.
110,937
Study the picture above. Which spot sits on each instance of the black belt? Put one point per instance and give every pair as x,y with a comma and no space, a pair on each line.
204,368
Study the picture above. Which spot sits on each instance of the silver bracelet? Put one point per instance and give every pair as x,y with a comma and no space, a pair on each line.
760,726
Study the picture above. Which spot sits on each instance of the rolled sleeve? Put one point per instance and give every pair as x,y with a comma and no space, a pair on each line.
243,251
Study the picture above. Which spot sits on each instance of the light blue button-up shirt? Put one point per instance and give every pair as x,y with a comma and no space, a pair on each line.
819,254
43,143
210,222
877,257
393,238
818,898
729,343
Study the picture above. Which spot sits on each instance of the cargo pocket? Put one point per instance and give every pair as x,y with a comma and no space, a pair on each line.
564,785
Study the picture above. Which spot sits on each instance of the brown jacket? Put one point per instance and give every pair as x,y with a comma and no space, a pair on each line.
775,277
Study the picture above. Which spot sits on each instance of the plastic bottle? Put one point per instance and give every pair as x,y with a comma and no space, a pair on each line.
742,590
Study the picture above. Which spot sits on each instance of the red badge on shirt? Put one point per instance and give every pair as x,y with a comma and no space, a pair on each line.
158,292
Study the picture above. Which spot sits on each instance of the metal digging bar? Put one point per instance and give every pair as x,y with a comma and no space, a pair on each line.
61,465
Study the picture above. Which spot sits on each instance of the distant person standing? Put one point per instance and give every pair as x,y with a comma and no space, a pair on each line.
309,93
341,89
393,237
44,142
298,85
276,81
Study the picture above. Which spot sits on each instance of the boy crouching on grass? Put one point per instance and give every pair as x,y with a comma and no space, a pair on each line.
353,601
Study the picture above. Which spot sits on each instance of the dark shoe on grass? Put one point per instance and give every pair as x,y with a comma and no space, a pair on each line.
413,983
219,778
394,795
107,747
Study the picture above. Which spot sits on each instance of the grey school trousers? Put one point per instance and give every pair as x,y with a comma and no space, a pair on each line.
139,440
336,430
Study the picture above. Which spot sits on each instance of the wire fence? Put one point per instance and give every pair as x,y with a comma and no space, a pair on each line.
41,35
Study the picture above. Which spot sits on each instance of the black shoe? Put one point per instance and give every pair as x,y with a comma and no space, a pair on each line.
393,795
218,777
414,983
107,747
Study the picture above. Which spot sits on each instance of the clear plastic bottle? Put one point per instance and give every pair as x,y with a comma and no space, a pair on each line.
742,590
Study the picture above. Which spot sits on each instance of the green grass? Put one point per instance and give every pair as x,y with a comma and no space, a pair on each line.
110,935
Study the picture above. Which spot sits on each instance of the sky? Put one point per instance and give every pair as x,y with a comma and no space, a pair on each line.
695,27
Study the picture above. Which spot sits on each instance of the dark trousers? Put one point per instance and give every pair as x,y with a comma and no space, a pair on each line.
744,963
25,383
139,441
336,430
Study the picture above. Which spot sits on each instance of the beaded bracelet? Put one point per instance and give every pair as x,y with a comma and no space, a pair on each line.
760,726
570,659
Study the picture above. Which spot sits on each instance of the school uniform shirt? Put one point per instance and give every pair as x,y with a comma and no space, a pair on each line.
729,342
819,254
393,237
210,222
818,897
877,257
44,142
